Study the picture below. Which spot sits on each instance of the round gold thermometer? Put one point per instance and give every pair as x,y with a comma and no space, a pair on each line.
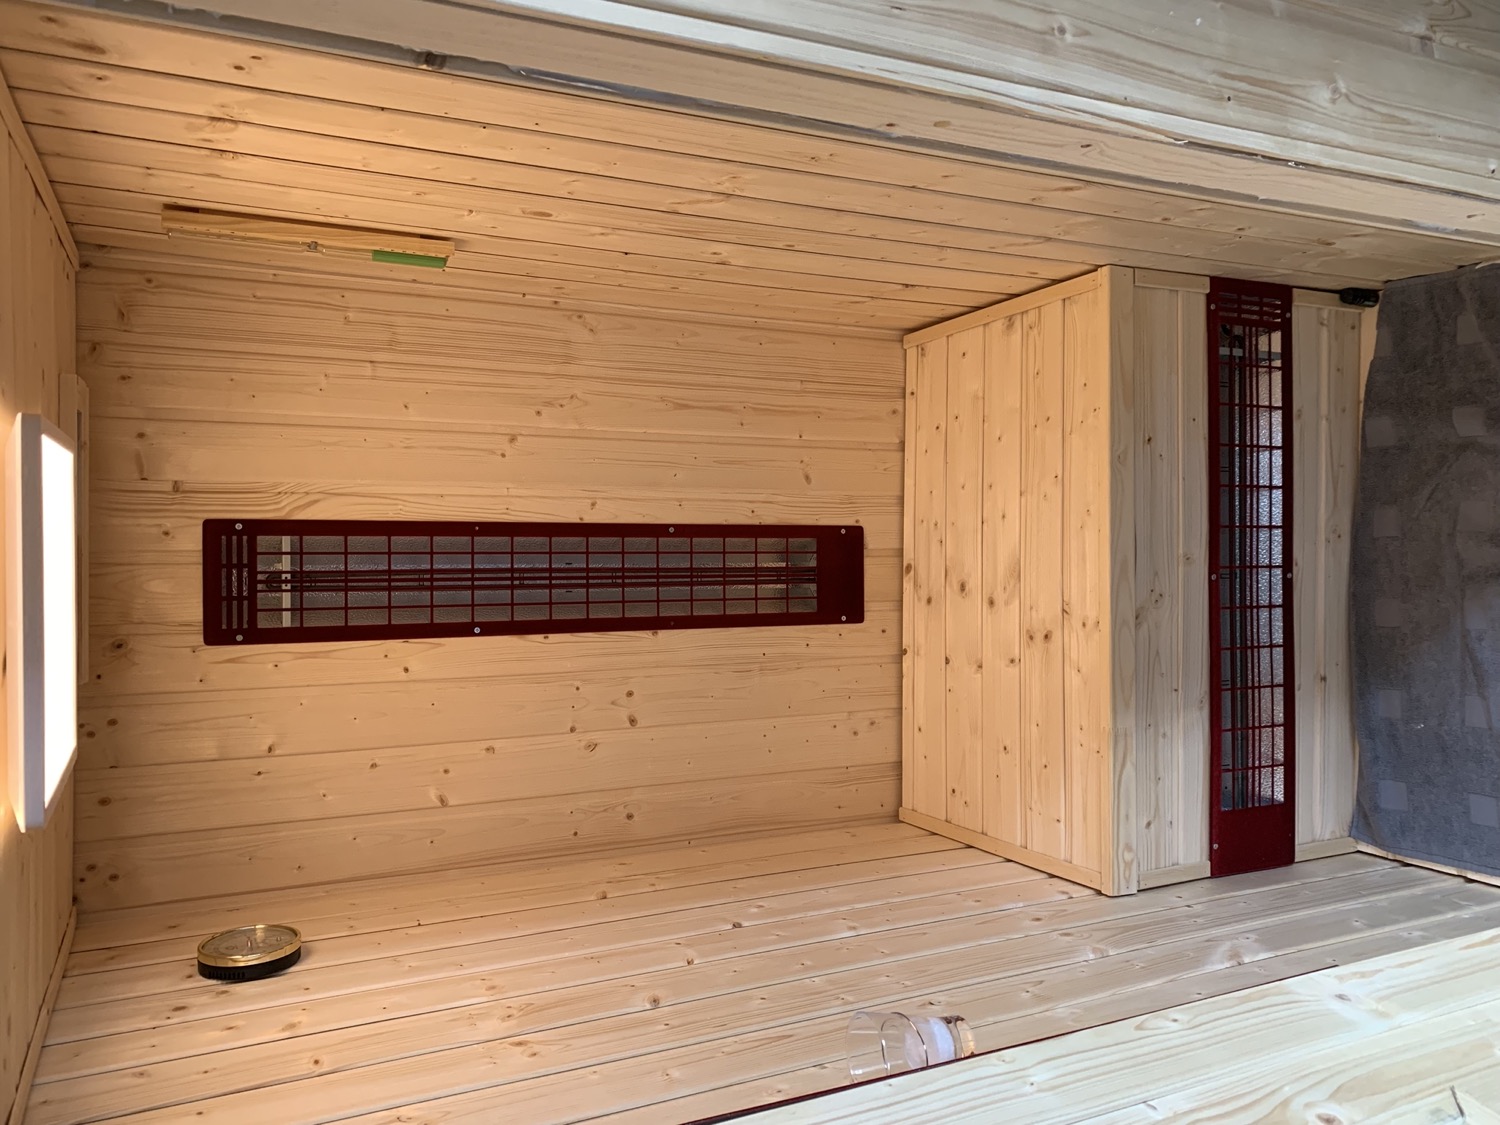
249,952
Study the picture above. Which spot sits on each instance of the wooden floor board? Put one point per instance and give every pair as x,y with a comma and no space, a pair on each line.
428,951
604,872
1360,1042
154,996
318,921
1180,972
670,985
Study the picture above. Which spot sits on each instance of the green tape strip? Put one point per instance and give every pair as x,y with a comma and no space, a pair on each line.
432,261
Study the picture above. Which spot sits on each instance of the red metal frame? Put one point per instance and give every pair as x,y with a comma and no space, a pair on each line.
1252,754
303,581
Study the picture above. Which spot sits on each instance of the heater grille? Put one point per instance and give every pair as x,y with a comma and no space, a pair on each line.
274,581
1251,570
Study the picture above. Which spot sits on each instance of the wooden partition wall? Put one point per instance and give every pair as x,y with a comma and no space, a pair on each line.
1056,693
1019,587
1329,345
36,364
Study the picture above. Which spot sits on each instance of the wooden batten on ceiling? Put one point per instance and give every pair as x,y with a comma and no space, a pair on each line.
378,245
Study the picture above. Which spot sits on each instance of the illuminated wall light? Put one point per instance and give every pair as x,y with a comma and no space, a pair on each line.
40,620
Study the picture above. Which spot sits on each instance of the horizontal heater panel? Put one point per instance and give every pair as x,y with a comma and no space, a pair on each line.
289,581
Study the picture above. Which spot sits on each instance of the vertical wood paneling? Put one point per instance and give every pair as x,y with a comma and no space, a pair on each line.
1337,759
929,690
1312,355
1171,577
1039,715
1192,586
1328,355
1086,571
36,346
1159,663
908,584
1042,701
1116,801
1327,378
1001,681
962,609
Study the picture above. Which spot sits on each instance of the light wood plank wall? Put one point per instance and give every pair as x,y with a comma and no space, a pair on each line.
1172,715
36,359
1171,573
224,389
1329,364
1014,537
1019,738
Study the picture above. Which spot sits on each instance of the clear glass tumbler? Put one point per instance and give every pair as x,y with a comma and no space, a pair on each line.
885,1043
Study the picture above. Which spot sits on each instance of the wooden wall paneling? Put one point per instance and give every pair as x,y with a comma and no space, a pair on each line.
166,867
1193,778
20,146
1086,575
133,801
36,346
1052,692
1326,381
73,408
311,302
1001,609
929,691
373,755
1171,578
1005,310
38,1037
601,697
1311,350
909,519
1341,462
963,490
1114,764
83,405
1159,657
1042,702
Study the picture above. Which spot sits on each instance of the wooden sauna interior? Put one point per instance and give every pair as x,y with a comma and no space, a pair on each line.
646,876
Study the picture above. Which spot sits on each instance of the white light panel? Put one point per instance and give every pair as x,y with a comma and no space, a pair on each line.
41,615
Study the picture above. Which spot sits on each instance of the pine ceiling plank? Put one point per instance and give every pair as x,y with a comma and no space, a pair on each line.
126,134
77,53
641,291
1464,34
1192,69
202,177
944,189
12,127
894,106
130,211
587,283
